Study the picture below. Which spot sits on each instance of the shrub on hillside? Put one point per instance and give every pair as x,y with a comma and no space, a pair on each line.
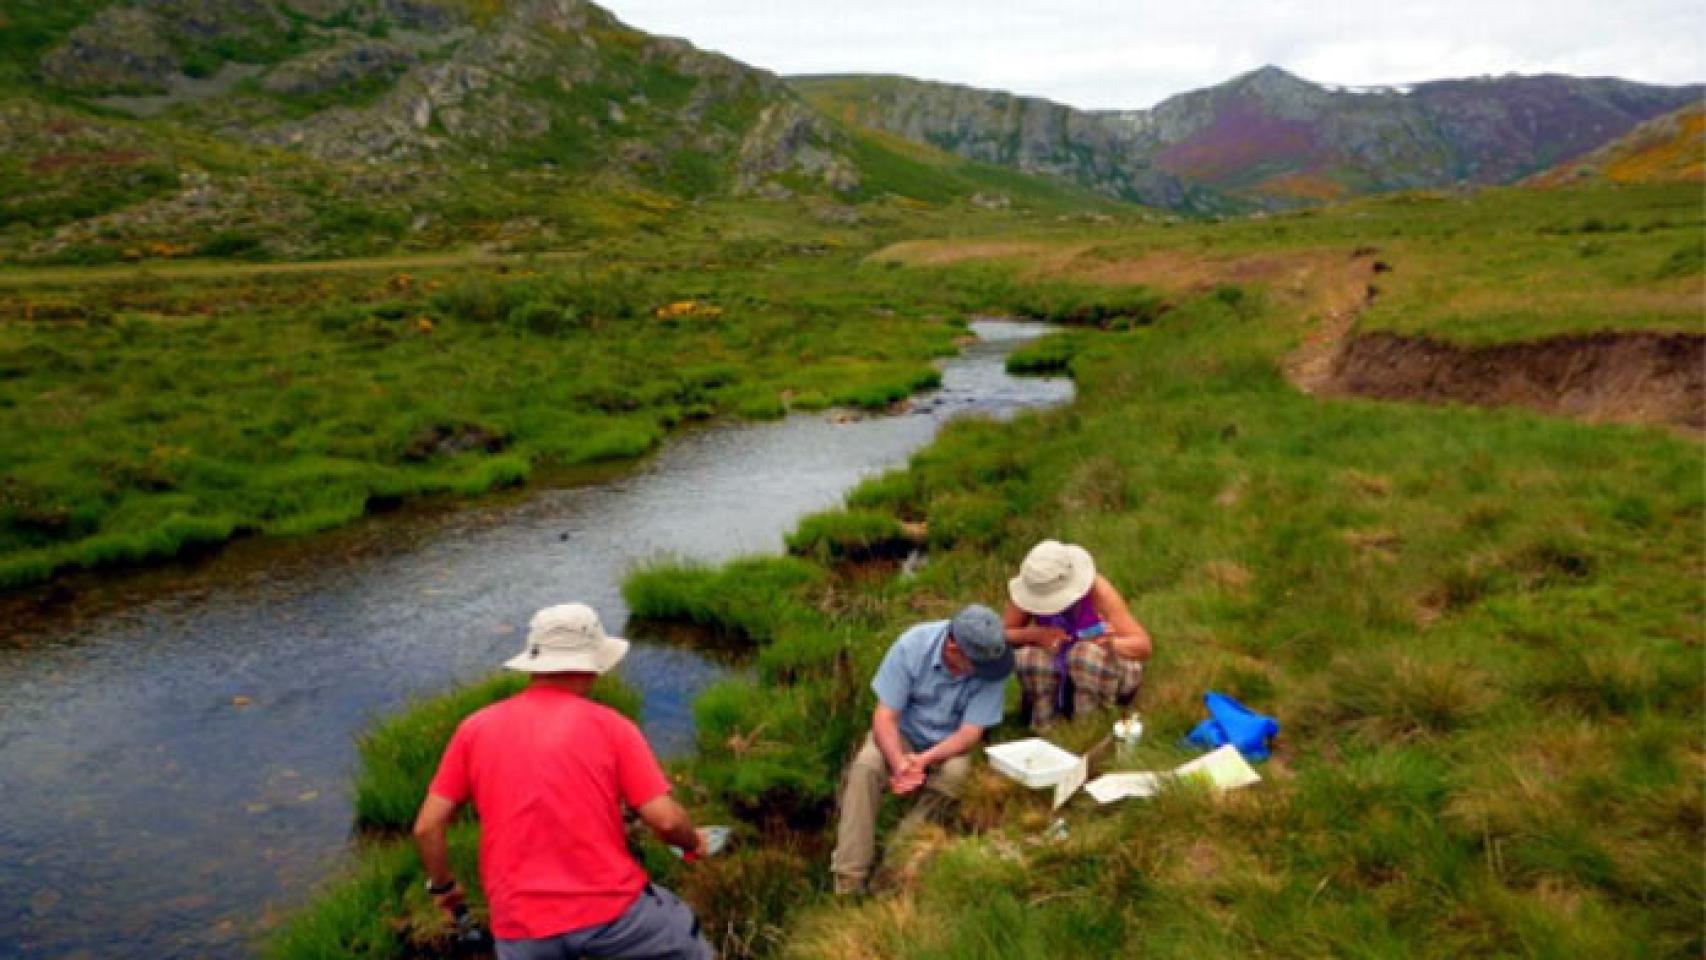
545,318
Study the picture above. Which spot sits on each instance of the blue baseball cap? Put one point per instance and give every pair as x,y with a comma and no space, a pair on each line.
978,632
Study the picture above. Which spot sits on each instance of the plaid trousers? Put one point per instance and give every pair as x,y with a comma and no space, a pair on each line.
1098,677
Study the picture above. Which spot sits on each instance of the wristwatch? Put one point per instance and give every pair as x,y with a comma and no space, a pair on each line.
437,890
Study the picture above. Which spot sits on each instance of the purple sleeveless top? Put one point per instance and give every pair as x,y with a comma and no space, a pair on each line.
1081,622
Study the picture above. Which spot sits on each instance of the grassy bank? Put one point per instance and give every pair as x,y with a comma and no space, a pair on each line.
146,419
1481,630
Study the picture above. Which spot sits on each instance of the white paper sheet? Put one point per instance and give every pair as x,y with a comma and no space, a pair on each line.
1118,786
1224,769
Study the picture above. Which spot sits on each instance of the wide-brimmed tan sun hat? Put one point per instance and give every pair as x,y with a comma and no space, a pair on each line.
568,639
1052,578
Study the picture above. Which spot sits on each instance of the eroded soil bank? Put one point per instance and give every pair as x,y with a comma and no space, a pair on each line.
1657,378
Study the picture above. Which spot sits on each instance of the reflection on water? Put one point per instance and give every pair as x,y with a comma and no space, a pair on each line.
176,746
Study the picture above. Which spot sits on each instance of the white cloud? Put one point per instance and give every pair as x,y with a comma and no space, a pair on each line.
1132,53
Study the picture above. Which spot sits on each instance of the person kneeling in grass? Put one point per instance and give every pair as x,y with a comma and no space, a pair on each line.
1079,647
548,771
939,687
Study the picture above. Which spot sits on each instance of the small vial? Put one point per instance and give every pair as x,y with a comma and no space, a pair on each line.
1127,733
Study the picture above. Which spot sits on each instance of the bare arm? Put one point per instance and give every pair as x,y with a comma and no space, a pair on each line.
885,730
669,820
1126,637
432,832
1022,632
958,742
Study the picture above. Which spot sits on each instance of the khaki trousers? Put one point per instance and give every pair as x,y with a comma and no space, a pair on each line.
866,780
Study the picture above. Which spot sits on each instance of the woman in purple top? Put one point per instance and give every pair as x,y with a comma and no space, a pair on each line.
1077,646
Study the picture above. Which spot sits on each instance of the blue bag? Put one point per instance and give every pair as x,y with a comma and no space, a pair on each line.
1231,722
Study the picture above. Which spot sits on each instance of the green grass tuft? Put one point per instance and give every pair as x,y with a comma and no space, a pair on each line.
848,535
1045,356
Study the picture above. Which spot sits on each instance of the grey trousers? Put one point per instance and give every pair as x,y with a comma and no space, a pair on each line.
657,927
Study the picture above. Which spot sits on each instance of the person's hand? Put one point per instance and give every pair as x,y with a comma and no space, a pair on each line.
910,776
451,901
904,783
1052,638
706,845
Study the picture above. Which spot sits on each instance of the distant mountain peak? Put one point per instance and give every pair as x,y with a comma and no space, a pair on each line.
1269,72
1270,78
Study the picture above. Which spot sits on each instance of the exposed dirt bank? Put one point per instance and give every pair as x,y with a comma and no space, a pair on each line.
1657,378
1606,377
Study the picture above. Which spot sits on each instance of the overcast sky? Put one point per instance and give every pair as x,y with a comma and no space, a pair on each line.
1133,53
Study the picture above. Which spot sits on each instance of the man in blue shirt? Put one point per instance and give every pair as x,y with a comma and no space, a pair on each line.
939,687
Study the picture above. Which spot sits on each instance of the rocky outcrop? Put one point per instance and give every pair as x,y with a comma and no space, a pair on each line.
789,138
1107,153
348,64
122,50
230,22
558,80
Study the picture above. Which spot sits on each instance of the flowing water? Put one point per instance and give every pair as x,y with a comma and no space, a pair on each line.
176,745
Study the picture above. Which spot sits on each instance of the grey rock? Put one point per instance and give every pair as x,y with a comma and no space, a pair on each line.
1107,153
205,20
120,51
424,15
317,9
181,90
344,65
791,138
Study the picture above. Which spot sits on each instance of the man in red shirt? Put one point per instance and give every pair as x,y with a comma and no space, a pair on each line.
548,772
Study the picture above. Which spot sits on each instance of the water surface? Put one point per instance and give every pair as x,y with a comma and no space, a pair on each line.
176,745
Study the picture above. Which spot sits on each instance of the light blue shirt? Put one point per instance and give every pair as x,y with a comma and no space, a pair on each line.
931,701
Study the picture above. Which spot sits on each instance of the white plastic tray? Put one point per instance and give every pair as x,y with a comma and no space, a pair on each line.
1034,762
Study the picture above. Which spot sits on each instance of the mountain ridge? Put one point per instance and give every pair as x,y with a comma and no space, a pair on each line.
1265,138
289,128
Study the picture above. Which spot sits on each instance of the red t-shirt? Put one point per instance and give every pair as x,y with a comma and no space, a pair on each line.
546,769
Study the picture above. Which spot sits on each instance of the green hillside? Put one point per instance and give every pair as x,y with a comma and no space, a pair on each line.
259,131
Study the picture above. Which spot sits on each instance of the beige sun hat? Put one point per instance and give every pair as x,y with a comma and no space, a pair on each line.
1052,578
568,639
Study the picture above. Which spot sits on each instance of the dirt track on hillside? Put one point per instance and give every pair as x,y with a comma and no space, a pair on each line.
163,270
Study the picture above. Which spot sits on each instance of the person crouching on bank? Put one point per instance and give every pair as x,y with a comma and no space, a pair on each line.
939,688
548,772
